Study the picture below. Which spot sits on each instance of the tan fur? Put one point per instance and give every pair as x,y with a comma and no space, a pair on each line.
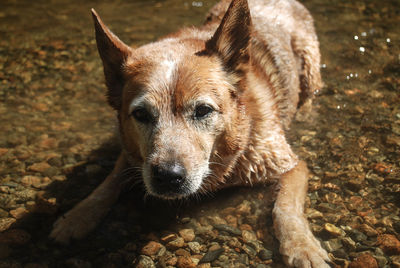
207,108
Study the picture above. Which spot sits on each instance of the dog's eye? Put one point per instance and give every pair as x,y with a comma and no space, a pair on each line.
142,115
202,111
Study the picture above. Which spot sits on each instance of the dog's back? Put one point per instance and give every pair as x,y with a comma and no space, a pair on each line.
283,37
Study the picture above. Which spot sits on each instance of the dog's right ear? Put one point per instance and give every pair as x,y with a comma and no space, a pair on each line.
113,53
232,37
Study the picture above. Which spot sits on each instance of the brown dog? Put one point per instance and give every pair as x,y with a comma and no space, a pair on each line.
206,108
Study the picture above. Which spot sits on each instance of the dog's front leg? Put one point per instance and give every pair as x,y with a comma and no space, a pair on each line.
84,217
298,245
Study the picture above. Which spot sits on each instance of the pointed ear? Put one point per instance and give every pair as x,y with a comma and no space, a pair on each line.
231,40
113,53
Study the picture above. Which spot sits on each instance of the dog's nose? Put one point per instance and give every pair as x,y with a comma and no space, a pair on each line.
168,176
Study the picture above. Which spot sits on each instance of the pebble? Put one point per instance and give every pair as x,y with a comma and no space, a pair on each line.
176,243
185,262
314,214
382,261
231,220
187,234
211,255
39,167
151,248
333,230
19,213
332,244
182,252
265,254
364,261
357,235
195,247
204,265
31,180
171,261
250,250
5,223
169,237
3,213
145,262
228,229
244,208
348,243
248,236
389,244
368,230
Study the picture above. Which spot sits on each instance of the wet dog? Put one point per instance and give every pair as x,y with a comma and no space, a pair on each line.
207,108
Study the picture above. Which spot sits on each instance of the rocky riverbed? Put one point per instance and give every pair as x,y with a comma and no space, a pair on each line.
57,144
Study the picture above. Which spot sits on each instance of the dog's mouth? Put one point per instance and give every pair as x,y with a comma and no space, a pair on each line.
171,181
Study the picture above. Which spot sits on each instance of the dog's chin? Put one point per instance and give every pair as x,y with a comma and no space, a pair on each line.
171,194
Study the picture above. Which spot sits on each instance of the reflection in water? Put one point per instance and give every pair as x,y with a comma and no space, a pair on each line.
56,128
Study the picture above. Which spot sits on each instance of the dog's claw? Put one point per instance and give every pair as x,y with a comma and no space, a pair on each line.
304,251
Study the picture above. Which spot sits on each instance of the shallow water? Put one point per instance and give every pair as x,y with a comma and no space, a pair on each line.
56,129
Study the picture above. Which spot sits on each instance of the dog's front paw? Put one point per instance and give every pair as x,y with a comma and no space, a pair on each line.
302,250
75,224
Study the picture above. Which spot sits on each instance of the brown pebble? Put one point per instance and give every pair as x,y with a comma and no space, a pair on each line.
31,180
231,220
214,247
364,261
15,237
185,262
368,230
169,237
171,261
244,208
204,265
187,234
197,256
3,151
182,252
248,236
47,143
39,167
245,227
4,189
151,248
5,223
18,213
389,244
176,243
228,211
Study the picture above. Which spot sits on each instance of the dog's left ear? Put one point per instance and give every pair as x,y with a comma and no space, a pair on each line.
231,40
113,53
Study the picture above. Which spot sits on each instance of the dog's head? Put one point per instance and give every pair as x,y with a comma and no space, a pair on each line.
178,103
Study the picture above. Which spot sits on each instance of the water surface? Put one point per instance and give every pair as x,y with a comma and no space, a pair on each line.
56,129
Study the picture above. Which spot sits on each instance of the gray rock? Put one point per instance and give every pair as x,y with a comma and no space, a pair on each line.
144,262
228,229
211,255
265,254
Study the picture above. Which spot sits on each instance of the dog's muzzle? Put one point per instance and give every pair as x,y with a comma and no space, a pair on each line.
168,179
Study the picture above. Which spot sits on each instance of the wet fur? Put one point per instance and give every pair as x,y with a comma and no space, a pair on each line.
255,67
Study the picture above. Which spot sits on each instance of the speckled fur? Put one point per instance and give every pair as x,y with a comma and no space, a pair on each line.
255,64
